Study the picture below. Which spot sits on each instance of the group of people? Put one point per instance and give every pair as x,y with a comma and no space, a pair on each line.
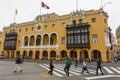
82,62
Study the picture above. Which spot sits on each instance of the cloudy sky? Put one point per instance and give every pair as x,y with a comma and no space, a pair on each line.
29,9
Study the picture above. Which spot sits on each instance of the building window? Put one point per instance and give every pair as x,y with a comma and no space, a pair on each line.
13,30
94,37
32,28
80,21
18,42
19,30
105,21
63,24
63,40
83,38
26,29
79,39
71,39
68,39
10,31
53,25
76,40
93,20
38,27
74,22
46,26
86,38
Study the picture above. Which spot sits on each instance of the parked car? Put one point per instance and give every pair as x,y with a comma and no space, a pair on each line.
1,57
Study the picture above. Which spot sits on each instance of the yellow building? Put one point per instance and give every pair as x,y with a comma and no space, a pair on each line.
80,34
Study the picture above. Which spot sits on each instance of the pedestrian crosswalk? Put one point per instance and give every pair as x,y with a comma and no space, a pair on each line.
59,70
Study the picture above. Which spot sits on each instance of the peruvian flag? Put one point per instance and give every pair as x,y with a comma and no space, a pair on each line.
45,6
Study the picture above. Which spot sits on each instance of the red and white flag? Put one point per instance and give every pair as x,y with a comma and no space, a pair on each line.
45,6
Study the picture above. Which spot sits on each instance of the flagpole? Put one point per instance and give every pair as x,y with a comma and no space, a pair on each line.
14,18
76,4
41,8
15,15
101,3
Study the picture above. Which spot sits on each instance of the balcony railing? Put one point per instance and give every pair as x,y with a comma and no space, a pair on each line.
41,46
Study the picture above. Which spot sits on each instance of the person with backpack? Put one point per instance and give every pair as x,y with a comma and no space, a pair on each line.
67,66
51,68
18,61
99,66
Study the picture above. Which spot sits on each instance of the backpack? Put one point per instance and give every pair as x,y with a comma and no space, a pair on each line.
18,60
68,62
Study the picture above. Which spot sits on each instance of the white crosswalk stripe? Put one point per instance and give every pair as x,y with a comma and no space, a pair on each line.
59,70
57,74
115,69
108,70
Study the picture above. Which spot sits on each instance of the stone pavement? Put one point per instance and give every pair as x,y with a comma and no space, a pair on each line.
31,71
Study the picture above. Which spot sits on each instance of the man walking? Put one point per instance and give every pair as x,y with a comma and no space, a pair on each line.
67,66
99,62
17,64
51,68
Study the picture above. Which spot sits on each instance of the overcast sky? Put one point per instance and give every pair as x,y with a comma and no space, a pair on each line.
29,9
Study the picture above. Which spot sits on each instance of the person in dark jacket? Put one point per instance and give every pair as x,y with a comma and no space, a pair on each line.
17,64
51,67
99,66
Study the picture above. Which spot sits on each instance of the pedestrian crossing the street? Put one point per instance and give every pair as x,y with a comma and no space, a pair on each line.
59,70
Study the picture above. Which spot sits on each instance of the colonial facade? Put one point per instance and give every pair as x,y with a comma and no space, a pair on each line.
80,34
114,50
118,39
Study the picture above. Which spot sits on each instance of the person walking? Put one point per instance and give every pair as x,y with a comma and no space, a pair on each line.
76,63
84,67
99,66
18,64
51,68
67,66
115,59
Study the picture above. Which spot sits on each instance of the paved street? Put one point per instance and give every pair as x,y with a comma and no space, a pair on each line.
37,70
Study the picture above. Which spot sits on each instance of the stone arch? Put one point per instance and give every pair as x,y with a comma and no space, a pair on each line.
84,54
31,54
37,54
52,55
63,54
46,39
38,40
45,55
73,54
95,54
24,54
53,39
18,53
26,40
32,40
